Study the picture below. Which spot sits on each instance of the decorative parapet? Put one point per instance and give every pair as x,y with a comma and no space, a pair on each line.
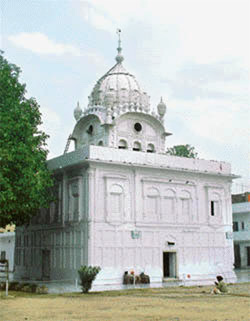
69,159
119,156
119,110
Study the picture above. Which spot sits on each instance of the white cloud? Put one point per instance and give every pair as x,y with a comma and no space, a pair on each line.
51,120
96,18
52,126
207,30
222,122
39,43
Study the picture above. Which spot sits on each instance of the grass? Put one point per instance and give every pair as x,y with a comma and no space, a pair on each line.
155,304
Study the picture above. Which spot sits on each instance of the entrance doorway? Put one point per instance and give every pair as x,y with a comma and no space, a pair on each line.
169,264
248,255
45,264
237,260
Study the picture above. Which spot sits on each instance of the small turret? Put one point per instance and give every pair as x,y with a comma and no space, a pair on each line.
161,107
77,112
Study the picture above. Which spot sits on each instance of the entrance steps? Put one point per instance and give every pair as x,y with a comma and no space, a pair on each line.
171,282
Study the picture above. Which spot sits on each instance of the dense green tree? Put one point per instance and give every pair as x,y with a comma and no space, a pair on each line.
25,181
182,151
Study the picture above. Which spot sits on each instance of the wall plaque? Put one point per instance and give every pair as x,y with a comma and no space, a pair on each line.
135,234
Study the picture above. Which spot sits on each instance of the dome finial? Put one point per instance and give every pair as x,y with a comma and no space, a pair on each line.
119,58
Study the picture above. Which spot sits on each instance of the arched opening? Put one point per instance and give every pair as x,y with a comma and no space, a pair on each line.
137,146
150,148
90,130
122,144
100,143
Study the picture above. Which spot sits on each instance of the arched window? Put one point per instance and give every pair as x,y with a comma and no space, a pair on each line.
186,206
168,206
122,144
151,204
215,205
137,146
150,148
90,130
100,143
115,205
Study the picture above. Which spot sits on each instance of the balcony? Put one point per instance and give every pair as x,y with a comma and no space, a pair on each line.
241,207
242,236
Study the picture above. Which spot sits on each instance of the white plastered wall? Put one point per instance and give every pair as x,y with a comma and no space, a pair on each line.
203,251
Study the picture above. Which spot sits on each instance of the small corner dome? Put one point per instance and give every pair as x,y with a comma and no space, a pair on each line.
161,107
77,112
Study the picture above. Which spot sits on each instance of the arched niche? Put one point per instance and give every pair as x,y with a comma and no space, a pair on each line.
88,131
185,206
168,206
152,204
215,205
137,146
115,208
150,148
122,144
100,143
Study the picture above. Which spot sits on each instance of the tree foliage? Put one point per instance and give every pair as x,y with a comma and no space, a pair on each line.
182,151
87,275
25,181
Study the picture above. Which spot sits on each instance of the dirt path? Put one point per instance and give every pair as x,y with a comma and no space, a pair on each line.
175,304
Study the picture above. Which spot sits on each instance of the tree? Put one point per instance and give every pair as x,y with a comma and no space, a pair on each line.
87,275
25,180
182,151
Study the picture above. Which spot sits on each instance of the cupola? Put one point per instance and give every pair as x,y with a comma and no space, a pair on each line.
118,114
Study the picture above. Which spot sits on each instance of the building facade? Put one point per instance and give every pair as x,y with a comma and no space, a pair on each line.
241,229
124,204
7,247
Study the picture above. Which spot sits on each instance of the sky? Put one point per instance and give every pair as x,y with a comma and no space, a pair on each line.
193,53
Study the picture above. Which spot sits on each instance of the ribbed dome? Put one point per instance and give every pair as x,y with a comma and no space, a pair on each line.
118,87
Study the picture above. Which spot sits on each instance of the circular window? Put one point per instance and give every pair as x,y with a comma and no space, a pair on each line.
138,127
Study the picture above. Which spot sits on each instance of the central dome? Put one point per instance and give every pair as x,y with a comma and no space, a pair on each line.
118,88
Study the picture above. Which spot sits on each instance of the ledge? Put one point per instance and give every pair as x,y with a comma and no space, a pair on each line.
132,158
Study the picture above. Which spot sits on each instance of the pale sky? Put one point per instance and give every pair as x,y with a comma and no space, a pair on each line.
193,53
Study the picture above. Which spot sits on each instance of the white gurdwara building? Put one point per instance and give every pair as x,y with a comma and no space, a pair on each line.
124,204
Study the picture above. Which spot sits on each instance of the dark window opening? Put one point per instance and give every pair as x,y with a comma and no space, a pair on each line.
137,146
90,130
150,148
242,225
235,226
122,144
212,208
100,143
248,255
138,127
237,258
3,255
